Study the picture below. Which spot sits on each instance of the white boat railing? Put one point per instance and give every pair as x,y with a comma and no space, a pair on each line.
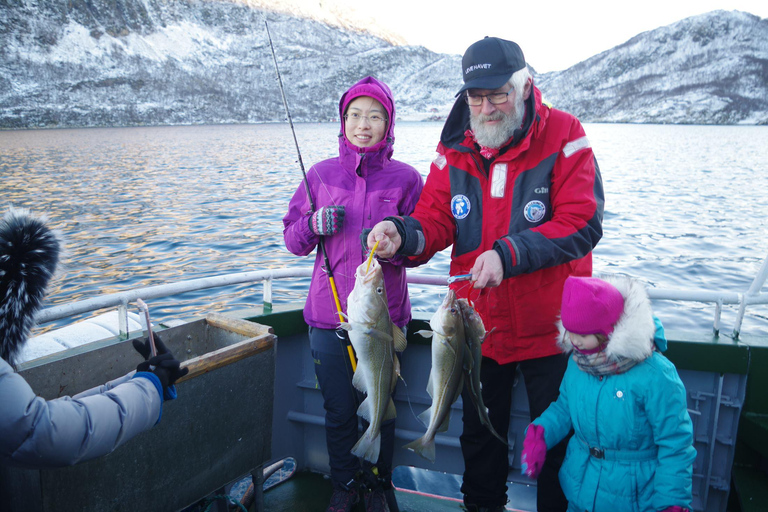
266,277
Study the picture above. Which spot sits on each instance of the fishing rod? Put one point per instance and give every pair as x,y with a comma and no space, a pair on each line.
321,241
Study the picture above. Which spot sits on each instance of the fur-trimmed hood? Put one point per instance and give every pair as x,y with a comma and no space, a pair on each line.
29,252
633,333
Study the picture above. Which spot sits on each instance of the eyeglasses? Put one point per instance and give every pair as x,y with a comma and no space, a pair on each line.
375,119
495,98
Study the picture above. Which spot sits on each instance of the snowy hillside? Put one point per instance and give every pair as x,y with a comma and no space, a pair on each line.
708,69
142,62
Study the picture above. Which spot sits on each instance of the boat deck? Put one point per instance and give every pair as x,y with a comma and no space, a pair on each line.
308,491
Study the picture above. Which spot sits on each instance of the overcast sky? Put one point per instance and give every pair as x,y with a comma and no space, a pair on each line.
554,35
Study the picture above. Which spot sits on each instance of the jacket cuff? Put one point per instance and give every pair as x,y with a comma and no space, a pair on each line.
154,379
411,235
507,252
306,228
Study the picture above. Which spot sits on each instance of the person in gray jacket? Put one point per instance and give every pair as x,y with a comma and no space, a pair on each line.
37,433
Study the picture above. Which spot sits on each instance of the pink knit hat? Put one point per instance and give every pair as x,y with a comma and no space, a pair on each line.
379,91
363,88
590,306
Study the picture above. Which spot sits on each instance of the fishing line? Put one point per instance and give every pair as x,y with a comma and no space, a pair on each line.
321,240
410,405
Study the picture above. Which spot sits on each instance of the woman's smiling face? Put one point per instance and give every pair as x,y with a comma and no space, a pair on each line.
365,122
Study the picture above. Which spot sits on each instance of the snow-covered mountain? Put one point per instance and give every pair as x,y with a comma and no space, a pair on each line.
134,62
138,62
707,69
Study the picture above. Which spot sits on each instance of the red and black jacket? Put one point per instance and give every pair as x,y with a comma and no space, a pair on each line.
539,204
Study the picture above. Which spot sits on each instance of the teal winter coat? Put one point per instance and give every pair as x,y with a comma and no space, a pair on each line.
632,448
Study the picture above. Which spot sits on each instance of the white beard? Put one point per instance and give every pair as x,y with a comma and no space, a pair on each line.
495,136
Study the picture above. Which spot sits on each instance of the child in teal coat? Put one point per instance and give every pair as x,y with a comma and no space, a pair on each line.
632,447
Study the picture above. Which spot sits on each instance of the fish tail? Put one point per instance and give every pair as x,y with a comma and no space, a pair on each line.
496,434
424,447
368,447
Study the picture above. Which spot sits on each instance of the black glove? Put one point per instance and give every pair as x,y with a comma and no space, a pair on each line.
364,239
167,369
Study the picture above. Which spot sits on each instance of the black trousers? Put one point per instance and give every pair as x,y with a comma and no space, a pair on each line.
486,463
334,375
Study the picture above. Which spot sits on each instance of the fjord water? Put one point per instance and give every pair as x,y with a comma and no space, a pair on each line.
685,208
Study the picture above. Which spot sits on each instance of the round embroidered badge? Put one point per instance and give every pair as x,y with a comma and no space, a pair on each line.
460,206
534,211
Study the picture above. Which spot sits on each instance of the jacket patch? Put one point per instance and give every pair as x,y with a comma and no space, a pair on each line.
440,161
460,206
534,211
576,145
498,180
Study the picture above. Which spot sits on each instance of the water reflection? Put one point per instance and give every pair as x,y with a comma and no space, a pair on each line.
685,206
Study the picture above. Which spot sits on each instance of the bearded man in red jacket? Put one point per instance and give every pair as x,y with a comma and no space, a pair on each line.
516,190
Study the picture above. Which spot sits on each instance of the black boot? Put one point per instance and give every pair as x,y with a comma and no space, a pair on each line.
378,493
475,508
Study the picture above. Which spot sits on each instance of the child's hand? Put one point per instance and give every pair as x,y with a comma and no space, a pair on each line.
534,450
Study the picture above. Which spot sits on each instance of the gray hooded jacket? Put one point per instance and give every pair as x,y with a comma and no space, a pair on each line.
38,433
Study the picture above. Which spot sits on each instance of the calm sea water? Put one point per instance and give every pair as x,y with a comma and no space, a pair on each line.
685,207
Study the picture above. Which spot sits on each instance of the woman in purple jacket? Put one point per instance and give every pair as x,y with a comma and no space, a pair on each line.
351,193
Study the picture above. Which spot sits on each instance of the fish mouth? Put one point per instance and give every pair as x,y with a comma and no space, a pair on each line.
368,273
449,299
449,304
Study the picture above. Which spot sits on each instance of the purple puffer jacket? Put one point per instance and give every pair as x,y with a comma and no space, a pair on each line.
371,186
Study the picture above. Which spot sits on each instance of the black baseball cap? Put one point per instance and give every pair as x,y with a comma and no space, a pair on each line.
489,63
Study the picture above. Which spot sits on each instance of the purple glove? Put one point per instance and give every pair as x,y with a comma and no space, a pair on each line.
534,450
327,220
676,508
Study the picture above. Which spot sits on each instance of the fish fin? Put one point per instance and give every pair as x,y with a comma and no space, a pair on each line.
430,386
358,381
425,417
485,420
379,335
496,434
346,326
395,375
364,411
400,342
368,447
449,346
425,333
391,412
423,447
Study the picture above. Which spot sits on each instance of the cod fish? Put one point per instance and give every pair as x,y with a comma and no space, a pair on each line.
474,335
375,339
446,379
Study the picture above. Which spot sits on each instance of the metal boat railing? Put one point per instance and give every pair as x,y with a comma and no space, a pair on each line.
266,277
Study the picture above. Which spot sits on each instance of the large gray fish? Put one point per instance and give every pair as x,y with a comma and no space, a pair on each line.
475,334
375,339
446,378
